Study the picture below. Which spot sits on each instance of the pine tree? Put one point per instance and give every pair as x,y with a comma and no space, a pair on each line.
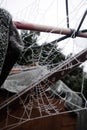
30,47
51,55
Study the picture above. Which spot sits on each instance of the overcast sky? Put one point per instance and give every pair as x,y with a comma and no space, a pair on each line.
51,12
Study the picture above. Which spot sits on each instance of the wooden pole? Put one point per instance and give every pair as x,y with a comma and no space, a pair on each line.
49,29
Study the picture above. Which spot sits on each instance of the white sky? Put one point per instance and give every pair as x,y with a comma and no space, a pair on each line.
50,12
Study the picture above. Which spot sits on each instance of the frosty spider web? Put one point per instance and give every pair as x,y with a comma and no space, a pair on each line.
40,96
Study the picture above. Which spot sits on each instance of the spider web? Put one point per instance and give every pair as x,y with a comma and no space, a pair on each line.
47,99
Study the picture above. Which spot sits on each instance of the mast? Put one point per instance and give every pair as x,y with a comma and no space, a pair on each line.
67,13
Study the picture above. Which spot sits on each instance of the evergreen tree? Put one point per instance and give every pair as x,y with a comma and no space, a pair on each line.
51,55
48,54
85,85
30,47
74,79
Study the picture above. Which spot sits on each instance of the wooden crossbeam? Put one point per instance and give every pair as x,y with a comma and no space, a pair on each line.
49,29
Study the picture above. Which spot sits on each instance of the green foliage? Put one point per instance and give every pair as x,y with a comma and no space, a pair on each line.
48,54
74,79
85,84
51,55
29,38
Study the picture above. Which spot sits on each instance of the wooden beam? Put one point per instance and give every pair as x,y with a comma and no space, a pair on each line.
48,29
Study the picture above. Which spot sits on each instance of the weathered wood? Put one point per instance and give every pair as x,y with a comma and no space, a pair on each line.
56,122
45,28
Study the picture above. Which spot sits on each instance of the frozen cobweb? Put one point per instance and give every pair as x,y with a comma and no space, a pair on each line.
43,99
